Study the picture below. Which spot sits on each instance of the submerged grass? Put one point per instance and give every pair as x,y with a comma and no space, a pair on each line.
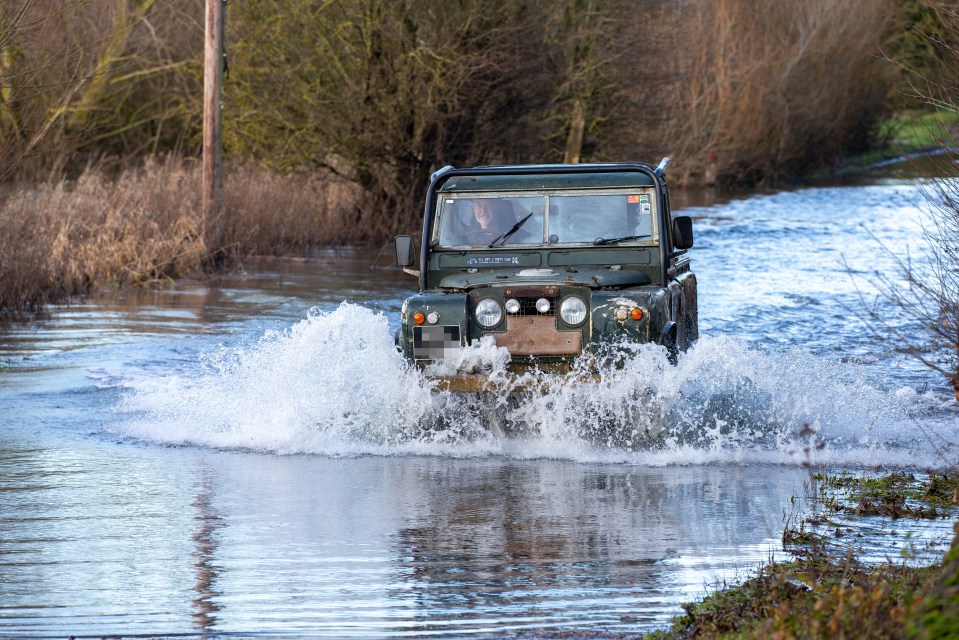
897,494
825,594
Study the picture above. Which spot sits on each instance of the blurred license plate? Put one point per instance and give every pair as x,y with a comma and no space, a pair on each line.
432,343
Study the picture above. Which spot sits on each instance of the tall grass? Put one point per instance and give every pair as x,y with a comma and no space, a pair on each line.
144,227
267,213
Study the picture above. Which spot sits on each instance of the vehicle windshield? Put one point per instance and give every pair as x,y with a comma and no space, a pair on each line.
488,220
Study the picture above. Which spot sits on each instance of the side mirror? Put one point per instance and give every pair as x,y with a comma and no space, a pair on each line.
683,232
404,250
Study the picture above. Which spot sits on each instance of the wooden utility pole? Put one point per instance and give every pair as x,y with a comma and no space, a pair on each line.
577,126
212,88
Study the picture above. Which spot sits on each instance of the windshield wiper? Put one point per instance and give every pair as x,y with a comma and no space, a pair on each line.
511,231
623,239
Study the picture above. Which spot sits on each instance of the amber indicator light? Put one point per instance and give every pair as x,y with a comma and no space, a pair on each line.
418,318
636,314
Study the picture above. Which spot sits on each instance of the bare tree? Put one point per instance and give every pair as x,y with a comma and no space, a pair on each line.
90,75
589,43
773,91
926,293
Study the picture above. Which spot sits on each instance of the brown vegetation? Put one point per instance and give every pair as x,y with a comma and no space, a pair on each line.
93,78
145,227
773,93
62,240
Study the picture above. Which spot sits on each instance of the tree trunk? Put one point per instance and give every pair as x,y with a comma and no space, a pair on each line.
124,19
577,125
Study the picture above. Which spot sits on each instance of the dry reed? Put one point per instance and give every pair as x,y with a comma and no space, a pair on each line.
761,95
145,227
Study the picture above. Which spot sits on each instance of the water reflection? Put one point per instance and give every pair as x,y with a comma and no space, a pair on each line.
541,545
398,546
562,545
205,547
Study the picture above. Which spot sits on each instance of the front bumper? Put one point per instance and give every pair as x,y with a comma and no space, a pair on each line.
519,378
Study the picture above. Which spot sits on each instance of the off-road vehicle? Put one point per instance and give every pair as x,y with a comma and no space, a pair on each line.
553,262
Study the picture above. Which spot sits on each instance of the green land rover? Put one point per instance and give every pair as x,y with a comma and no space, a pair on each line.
553,262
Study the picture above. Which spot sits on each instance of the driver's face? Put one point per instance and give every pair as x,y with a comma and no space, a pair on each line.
483,212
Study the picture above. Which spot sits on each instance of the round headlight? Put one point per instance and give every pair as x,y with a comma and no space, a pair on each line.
512,305
542,305
572,310
488,313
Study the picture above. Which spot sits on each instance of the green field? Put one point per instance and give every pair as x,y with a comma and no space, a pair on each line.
905,134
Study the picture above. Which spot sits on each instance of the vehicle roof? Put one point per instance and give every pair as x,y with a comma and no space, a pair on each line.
556,176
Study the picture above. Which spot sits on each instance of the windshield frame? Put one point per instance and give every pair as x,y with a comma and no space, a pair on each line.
439,211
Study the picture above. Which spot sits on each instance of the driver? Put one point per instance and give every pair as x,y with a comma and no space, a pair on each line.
494,215
491,217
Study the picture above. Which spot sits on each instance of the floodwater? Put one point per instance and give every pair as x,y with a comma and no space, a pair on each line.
246,456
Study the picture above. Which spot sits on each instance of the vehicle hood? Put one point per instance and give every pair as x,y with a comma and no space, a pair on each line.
587,276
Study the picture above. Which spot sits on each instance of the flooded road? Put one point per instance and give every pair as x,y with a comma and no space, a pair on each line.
245,456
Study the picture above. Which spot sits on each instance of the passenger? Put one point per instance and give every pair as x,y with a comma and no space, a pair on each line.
585,218
597,218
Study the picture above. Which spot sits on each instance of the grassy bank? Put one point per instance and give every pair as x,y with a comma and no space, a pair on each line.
907,134
914,131
827,591
818,596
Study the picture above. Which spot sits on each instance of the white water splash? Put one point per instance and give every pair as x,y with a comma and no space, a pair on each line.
330,381
334,384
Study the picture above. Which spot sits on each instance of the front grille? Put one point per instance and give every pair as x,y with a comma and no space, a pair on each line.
527,307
